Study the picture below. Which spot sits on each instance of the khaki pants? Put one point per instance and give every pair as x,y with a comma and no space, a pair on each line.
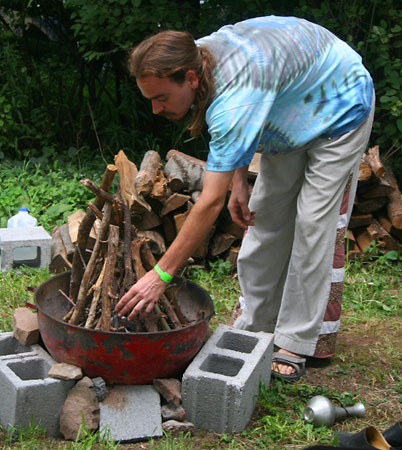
285,264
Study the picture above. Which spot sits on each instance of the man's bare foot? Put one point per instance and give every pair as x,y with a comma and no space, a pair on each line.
284,369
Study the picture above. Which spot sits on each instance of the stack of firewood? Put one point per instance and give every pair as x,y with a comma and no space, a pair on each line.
377,211
162,199
122,235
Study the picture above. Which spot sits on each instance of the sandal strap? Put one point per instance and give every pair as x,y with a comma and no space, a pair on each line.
288,359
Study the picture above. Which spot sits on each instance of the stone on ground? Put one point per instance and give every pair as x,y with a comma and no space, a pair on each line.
170,389
25,326
81,405
64,371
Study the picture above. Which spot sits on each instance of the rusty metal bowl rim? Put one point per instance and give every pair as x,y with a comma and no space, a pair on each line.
125,333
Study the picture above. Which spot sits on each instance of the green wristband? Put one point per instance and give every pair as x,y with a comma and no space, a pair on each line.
164,276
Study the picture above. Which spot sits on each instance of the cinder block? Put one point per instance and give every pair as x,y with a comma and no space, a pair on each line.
13,238
27,394
10,348
131,413
220,386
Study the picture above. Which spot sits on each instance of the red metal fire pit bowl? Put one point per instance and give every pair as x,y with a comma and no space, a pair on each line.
120,357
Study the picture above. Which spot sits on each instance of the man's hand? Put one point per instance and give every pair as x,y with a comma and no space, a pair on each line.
142,296
238,202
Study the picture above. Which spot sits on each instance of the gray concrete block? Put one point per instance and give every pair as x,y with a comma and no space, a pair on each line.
220,386
27,394
14,238
10,348
131,413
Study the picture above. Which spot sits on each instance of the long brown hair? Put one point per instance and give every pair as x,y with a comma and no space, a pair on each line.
171,54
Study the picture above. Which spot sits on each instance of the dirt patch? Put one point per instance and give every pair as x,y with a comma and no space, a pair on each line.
368,365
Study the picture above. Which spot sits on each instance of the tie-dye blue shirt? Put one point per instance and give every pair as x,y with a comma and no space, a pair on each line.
280,82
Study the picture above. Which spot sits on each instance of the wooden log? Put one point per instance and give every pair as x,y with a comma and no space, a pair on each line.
381,236
232,228
184,171
107,283
365,206
394,206
149,169
66,238
128,172
360,220
81,302
179,220
350,241
155,241
220,243
169,228
74,221
84,230
174,202
201,251
99,192
59,261
97,211
365,172
147,220
381,188
129,278
97,290
160,188
383,219
233,255
373,159
363,239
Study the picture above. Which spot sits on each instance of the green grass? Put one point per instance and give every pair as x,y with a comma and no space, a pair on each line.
14,293
373,284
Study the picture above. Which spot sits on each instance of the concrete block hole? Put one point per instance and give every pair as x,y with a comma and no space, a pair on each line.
237,342
222,365
36,369
26,255
12,347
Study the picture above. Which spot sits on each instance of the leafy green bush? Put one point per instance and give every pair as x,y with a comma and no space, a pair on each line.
51,194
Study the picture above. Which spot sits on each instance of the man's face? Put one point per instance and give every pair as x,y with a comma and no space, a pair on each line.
170,99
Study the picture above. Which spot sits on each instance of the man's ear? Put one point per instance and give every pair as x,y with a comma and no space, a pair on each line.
192,79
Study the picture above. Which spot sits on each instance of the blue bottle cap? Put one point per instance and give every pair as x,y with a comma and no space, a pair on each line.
23,209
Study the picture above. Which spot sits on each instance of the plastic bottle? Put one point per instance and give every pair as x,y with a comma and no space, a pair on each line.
22,219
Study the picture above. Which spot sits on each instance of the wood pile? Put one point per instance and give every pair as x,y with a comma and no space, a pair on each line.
377,210
121,236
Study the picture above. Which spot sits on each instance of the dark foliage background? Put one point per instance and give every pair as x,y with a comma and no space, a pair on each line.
65,91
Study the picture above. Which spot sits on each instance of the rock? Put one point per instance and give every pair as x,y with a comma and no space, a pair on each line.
170,389
174,425
172,412
81,405
25,326
63,371
99,388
